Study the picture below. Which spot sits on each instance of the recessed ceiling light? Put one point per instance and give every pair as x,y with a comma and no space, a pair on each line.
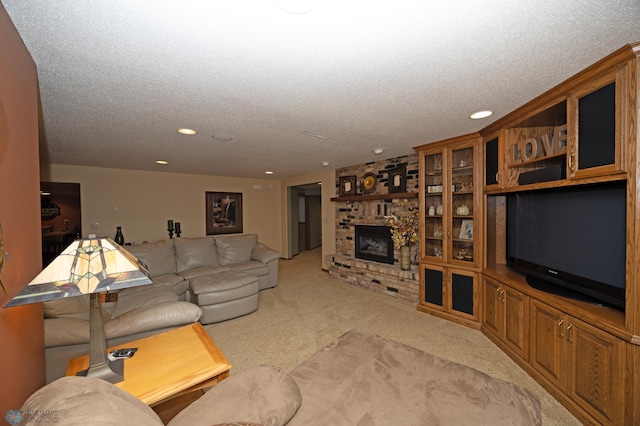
268,172
325,163
378,151
162,162
222,138
187,131
314,134
480,114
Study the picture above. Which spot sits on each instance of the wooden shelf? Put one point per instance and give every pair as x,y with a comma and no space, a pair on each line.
373,197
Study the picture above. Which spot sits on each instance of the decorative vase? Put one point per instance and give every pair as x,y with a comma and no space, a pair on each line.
405,258
119,238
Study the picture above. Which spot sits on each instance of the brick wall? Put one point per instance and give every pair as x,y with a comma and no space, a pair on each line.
376,276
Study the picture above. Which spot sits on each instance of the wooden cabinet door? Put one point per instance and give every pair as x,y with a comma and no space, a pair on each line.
462,293
432,224
596,371
462,198
516,320
597,113
492,318
547,342
506,314
433,291
494,161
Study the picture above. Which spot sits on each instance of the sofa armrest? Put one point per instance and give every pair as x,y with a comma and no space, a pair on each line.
80,401
264,254
152,318
264,394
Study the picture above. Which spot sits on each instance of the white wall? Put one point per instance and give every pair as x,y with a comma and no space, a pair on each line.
142,202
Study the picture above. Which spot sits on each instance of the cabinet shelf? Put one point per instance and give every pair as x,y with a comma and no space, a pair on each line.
373,197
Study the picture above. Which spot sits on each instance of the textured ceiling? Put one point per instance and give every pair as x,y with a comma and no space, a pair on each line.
118,77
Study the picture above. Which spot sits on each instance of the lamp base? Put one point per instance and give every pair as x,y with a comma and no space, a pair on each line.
111,371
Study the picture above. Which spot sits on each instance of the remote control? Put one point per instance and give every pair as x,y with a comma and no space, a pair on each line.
121,353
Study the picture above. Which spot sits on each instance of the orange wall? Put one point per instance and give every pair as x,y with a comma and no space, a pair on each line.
21,328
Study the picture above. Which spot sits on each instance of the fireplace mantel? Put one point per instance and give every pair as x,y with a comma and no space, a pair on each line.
374,197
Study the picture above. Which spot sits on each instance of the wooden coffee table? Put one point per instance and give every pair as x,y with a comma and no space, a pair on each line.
168,365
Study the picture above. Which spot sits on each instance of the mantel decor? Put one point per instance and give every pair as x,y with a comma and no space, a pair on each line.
224,213
368,183
347,186
398,179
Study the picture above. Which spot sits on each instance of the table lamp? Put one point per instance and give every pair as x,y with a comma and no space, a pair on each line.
88,266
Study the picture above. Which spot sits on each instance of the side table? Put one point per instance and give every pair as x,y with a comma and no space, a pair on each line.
168,365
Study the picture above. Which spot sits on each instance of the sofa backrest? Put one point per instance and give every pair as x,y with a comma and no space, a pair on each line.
235,248
159,256
195,253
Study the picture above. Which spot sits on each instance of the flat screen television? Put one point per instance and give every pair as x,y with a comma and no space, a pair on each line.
571,241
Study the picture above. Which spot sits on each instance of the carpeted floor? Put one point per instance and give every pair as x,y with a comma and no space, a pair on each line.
309,310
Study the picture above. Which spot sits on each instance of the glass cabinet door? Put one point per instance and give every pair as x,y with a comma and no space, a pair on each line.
433,211
462,205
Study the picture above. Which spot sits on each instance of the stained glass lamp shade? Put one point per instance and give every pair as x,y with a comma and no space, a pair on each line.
88,266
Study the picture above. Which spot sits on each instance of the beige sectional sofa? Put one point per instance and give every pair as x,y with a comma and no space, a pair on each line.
231,269
173,262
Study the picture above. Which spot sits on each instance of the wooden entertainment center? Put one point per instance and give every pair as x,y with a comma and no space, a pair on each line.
581,132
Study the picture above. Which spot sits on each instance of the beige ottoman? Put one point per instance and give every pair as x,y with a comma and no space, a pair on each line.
225,295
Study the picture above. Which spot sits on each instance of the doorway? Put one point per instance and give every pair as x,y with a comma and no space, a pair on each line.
305,218
60,217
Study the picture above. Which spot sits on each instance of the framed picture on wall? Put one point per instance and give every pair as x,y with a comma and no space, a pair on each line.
347,186
223,213
398,179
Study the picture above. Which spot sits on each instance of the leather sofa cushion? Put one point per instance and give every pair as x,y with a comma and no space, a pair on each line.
252,267
81,401
264,254
235,248
136,297
152,317
203,270
263,394
70,307
159,256
175,282
195,253
65,331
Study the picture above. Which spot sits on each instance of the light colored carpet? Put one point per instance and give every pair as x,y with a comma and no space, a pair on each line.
309,309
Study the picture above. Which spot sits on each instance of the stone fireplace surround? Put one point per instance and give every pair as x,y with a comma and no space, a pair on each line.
376,276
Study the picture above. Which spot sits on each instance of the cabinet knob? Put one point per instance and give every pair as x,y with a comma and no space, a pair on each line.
560,328
498,177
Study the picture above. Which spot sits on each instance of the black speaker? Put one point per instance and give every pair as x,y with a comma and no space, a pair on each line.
554,172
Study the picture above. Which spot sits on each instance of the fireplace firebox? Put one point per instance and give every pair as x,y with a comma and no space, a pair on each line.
374,243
